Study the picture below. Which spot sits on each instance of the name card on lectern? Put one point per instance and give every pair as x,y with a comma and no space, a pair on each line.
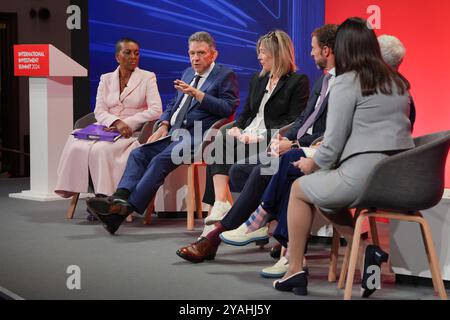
44,60
31,60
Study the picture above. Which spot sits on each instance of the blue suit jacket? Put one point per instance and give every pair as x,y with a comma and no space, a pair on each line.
220,101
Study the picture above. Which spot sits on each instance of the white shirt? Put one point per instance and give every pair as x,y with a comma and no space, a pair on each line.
199,85
257,126
319,101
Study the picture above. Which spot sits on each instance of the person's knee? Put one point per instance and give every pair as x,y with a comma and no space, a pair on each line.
235,172
291,155
79,146
297,191
136,154
101,150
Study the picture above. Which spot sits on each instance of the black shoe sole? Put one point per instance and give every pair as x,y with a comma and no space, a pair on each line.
97,216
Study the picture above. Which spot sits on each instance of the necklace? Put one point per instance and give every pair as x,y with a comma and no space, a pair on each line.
273,83
123,82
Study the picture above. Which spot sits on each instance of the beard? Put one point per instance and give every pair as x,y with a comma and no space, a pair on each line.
321,64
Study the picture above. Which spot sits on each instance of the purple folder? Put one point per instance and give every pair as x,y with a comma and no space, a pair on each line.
96,132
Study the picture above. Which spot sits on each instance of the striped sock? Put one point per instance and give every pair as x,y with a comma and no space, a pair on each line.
257,220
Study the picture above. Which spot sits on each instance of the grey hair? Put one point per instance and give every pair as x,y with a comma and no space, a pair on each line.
203,36
392,50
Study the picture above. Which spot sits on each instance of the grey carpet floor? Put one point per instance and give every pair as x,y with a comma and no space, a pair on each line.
38,244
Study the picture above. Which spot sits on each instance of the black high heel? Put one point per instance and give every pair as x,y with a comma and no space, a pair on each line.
298,283
374,255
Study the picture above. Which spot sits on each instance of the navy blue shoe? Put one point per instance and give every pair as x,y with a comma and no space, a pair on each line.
298,283
374,256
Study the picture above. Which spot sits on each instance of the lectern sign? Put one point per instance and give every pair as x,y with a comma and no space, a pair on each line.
31,60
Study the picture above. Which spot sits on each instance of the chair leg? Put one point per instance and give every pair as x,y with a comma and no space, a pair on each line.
374,231
198,200
333,256
72,206
432,259
148,213
190,198
344,267
353,257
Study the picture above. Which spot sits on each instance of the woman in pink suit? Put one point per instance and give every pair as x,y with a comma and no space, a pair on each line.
126,99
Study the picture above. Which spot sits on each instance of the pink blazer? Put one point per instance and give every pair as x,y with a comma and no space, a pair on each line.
139,102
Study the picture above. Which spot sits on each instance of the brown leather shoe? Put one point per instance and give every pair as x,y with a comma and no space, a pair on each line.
198,251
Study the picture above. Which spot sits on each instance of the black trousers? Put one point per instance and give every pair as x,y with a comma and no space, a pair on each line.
248,179
232,152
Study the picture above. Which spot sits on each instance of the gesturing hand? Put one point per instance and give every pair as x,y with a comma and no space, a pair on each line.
189,90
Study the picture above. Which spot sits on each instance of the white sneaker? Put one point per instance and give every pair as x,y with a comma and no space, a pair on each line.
218,210
278,270
238,237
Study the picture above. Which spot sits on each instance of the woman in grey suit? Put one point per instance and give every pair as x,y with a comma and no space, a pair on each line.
367,121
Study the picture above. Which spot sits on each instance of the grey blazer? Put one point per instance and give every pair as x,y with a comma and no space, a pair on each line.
357,124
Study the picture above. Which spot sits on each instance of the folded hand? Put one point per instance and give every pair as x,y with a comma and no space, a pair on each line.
160,133
122,127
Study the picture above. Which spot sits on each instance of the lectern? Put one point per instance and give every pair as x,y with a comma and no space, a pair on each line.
50,74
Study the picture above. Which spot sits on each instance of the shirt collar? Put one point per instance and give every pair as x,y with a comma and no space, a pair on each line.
332,71
208,71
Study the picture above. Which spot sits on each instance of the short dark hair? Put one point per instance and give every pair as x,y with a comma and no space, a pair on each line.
326,35
122,41
357,49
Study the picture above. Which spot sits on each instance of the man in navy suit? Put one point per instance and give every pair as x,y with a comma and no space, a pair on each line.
206,93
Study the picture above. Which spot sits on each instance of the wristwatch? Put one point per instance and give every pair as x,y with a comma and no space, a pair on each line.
295,145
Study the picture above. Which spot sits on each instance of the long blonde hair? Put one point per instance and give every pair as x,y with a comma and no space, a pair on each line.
280,47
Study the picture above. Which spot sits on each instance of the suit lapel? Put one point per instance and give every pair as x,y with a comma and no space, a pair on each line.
280,85
208,82
114,83
324,102
133,82
260,90
187,77
322,106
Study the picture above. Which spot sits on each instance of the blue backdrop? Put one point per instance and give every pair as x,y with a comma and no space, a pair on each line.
162,28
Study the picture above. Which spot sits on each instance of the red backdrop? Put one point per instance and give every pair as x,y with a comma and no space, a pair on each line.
423,28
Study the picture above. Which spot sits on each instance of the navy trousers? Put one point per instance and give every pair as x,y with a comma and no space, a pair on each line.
275,199
270,190
146,169
247,179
